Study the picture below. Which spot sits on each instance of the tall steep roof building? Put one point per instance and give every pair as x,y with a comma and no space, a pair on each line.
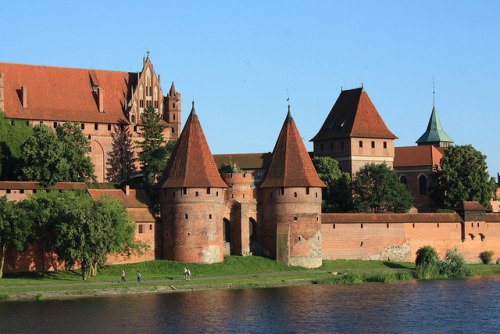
435,135
103,102
354,133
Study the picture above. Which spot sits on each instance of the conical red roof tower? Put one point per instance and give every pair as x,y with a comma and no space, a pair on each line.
192,164
291,165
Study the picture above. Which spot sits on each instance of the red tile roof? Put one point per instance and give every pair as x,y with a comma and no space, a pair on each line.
473,206
30,185
493,217
65,94
192,164
417,156
353,115
137,198
137,202
329,218
290,164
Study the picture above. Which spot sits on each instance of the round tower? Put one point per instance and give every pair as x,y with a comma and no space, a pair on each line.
192,200
291,202
239,212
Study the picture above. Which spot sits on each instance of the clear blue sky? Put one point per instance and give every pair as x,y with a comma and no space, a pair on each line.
238,59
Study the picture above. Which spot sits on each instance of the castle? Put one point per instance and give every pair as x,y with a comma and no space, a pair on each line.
271,204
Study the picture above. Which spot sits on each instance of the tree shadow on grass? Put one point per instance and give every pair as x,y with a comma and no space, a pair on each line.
393,265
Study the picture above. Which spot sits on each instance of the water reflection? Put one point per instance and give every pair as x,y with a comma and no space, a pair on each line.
419,306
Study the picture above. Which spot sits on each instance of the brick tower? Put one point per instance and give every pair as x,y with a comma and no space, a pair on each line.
172,113
291,202
192,200
354,134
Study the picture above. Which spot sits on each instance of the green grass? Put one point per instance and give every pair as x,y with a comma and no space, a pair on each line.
164,271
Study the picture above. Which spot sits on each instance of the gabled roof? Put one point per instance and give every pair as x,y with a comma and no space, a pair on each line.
244,160
137,198
417,156
290,164
434,132
191,164
172,91
353,115
66,94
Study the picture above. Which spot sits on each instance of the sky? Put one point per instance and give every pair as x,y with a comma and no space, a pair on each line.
240,60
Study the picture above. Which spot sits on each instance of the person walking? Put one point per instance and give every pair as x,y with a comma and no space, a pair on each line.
139,277
189,275
123,276
185,273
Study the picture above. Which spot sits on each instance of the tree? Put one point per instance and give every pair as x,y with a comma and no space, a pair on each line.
50,157
14,229
461,176
121,158
153,148
13,134
88,231
42,210
376,189
75,148
337,196
42,154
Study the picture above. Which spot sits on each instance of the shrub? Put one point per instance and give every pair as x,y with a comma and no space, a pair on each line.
486,256
40,297
4,297
425,255
453,265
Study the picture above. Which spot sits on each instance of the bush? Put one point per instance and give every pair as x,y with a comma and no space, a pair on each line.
454,265
425,255
486,256
4,297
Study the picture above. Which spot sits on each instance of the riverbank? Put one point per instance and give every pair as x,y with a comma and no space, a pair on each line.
233,273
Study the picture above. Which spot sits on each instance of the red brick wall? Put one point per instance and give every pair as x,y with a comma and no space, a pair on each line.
193,224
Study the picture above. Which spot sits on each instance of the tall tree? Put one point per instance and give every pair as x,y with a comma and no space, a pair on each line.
121,159
337,196
42,157
462,176
76,148
89,231
50,157
13,134
14,229
153,149
376,189
42,210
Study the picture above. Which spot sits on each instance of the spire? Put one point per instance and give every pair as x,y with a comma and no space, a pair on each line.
172,91
192,164
290,164
193,112
434,135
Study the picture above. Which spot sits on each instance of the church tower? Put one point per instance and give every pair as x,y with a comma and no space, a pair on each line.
291,202
435,135
172,114
354,134
192,200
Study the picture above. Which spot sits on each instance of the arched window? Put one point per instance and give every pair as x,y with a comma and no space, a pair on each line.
422,185
403,179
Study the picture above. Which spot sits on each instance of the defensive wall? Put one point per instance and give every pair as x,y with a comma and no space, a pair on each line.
397,237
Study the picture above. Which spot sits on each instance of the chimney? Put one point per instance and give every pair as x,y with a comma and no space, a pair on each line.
127,190
2,99
100,98
24,94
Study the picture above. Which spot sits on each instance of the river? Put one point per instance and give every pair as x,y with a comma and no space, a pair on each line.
437,306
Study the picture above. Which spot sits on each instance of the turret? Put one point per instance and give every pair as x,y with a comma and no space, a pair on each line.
192,200
291,202
172,114
435,135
